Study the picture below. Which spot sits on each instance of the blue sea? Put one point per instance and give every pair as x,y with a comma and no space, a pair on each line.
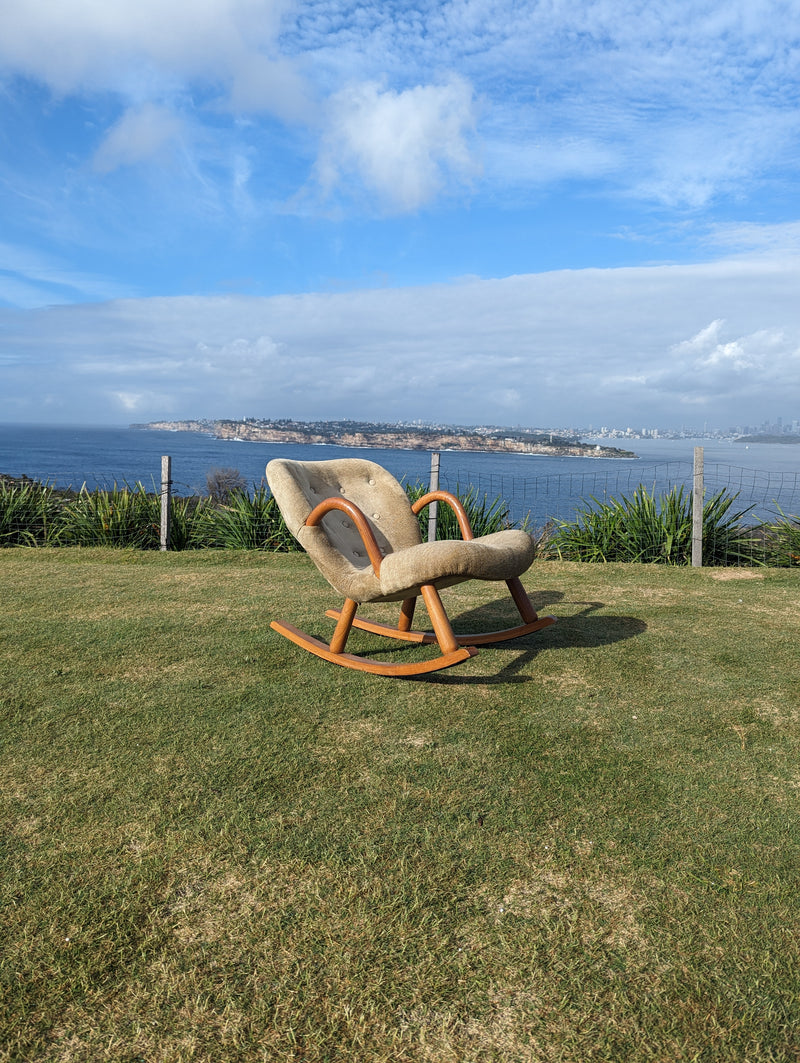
764,475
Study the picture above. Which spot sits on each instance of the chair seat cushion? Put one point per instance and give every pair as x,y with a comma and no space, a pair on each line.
500,556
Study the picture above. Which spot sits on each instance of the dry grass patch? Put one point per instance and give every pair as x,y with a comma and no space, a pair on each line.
341,734
568,683
418,740
736,573
606,910
445,1037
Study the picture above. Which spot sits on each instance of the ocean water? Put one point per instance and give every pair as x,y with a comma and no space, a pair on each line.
539,486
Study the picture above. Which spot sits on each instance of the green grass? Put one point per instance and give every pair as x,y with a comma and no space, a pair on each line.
581,846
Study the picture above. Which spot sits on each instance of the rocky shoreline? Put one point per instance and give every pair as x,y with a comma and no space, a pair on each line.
352,434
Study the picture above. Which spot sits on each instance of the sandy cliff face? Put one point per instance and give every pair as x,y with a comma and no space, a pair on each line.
258,432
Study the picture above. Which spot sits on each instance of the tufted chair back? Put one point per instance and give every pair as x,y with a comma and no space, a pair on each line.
335,544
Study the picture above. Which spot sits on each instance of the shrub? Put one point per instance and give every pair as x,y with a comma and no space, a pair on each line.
28,512
121,516
782,540
646,528
246,523
222,483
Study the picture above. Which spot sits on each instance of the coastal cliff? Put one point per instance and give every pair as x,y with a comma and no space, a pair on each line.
356,434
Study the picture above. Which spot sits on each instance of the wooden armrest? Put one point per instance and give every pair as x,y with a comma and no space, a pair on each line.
360,521
454,504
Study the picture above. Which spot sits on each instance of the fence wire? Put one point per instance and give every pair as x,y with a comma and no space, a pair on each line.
543,499
755,521
114,511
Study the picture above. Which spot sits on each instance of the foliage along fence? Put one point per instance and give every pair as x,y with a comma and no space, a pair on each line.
543,499
35,514
652,522
646,513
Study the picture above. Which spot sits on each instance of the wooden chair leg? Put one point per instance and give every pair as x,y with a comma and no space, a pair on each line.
521,600
442,627
452,652
407,614
531,621
343,626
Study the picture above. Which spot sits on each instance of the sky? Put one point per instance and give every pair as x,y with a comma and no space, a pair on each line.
507,212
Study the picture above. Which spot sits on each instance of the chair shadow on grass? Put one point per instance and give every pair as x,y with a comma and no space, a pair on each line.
577,629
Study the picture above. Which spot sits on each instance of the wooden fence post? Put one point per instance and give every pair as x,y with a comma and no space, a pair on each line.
698,493
166,493
433,508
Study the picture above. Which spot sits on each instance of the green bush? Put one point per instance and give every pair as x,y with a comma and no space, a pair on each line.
33,514
782,540
650,529
121,516
245,523
28,513
642,528
125,517
185,523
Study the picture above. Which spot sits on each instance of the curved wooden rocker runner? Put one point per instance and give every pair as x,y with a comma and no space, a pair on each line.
359,527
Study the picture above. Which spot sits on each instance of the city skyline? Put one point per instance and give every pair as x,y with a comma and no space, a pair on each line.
769,427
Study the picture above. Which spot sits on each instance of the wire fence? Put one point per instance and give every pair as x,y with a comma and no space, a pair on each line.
633,512
646,513
543,499
77,480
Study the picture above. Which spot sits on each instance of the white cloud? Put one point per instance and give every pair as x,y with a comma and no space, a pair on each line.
675,103
565,347
138,47
751,236
31,278
402,145
273,84
707,337
534,160
508,398
128,400
716,366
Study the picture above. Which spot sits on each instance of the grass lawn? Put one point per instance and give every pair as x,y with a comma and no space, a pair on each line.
580,846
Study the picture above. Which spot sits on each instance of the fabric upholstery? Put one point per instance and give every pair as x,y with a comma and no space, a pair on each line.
338,550
500,556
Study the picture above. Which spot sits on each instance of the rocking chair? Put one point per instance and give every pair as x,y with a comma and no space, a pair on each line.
360,529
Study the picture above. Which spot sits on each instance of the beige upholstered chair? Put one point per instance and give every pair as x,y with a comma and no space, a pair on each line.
358,526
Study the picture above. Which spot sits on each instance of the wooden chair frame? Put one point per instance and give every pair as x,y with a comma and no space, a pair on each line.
454,648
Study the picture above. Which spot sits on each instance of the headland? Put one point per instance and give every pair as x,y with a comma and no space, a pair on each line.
399,436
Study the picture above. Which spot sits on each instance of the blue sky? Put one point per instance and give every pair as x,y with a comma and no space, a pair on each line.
543,213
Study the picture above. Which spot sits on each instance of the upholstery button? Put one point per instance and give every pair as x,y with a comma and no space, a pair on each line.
376,516
372,483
